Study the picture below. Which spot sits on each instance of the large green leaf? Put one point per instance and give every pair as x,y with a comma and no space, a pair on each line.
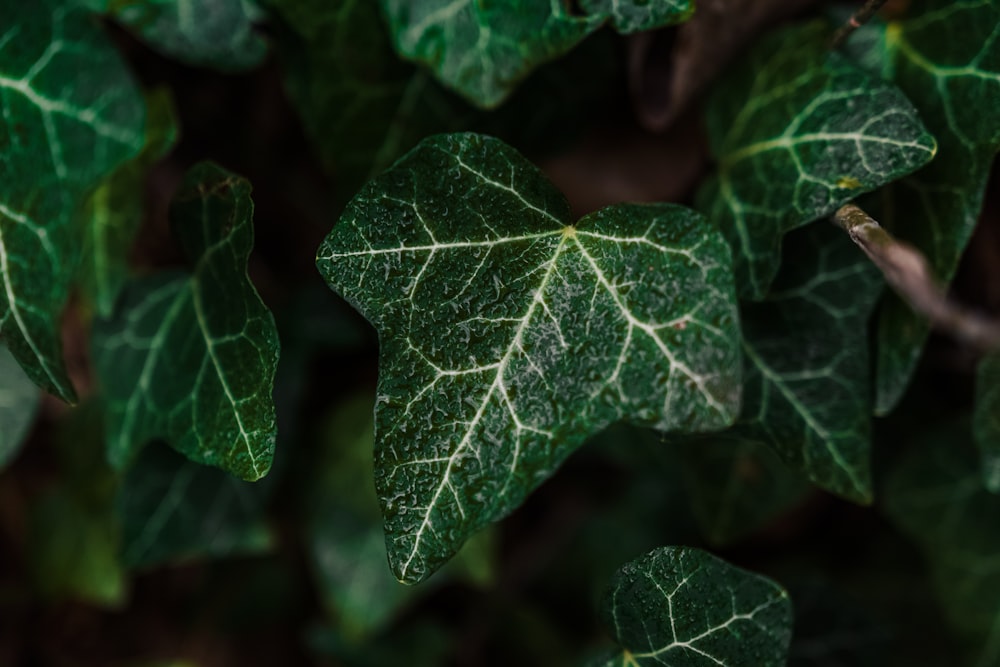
70,115
509,334
681,606
482,50
799,131
937,497
210,33
807,377
18,404
115,210
946,58
192,357
986,422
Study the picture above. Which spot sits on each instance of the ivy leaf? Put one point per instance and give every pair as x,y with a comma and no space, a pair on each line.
946,58
682,606
509,334
113,213
192,357
986,421
936,496
799,131
18,404
482,51
173,511
210,33
71,115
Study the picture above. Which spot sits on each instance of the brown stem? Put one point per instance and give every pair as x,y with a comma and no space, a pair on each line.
908,273
858,19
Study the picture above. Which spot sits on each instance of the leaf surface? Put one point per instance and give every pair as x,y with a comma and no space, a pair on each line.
192,357
71,115
986,420
18,404
682,606
209,33
483,50
509,335
946,58
797,132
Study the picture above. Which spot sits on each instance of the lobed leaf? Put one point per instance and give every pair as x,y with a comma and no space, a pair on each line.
192,357
71,115
483,50
19,400
509,335
683,606
798,132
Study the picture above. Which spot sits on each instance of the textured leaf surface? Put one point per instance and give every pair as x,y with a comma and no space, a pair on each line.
114,211
806,376
799,131
209,33
70,115
483,50
937,497
986,424
18,405
946,58
173,510
192,357
509,335
681,606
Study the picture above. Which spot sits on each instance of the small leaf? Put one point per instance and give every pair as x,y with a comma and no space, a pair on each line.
986,421
209,33
483,50
946,58
682,606
509,335
936,496
71,115
18,404
799,131
192,357
115,210
174,511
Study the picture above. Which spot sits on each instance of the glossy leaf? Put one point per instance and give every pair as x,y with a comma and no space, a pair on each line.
174,511
509,334
682,606
799,131
192,357
937,497
71,115
946,58
18,404
114,211
483,50
986,423
209,33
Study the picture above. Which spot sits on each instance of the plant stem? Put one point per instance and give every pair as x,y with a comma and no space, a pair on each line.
909,274
858,19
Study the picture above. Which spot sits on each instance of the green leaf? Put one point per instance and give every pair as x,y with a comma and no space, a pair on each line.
483,50
799,131
509,334
806,377
986,421
209,33
113,213
71,115
18,404
946,58
682,606
174,511
937,497
192,357
737,486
